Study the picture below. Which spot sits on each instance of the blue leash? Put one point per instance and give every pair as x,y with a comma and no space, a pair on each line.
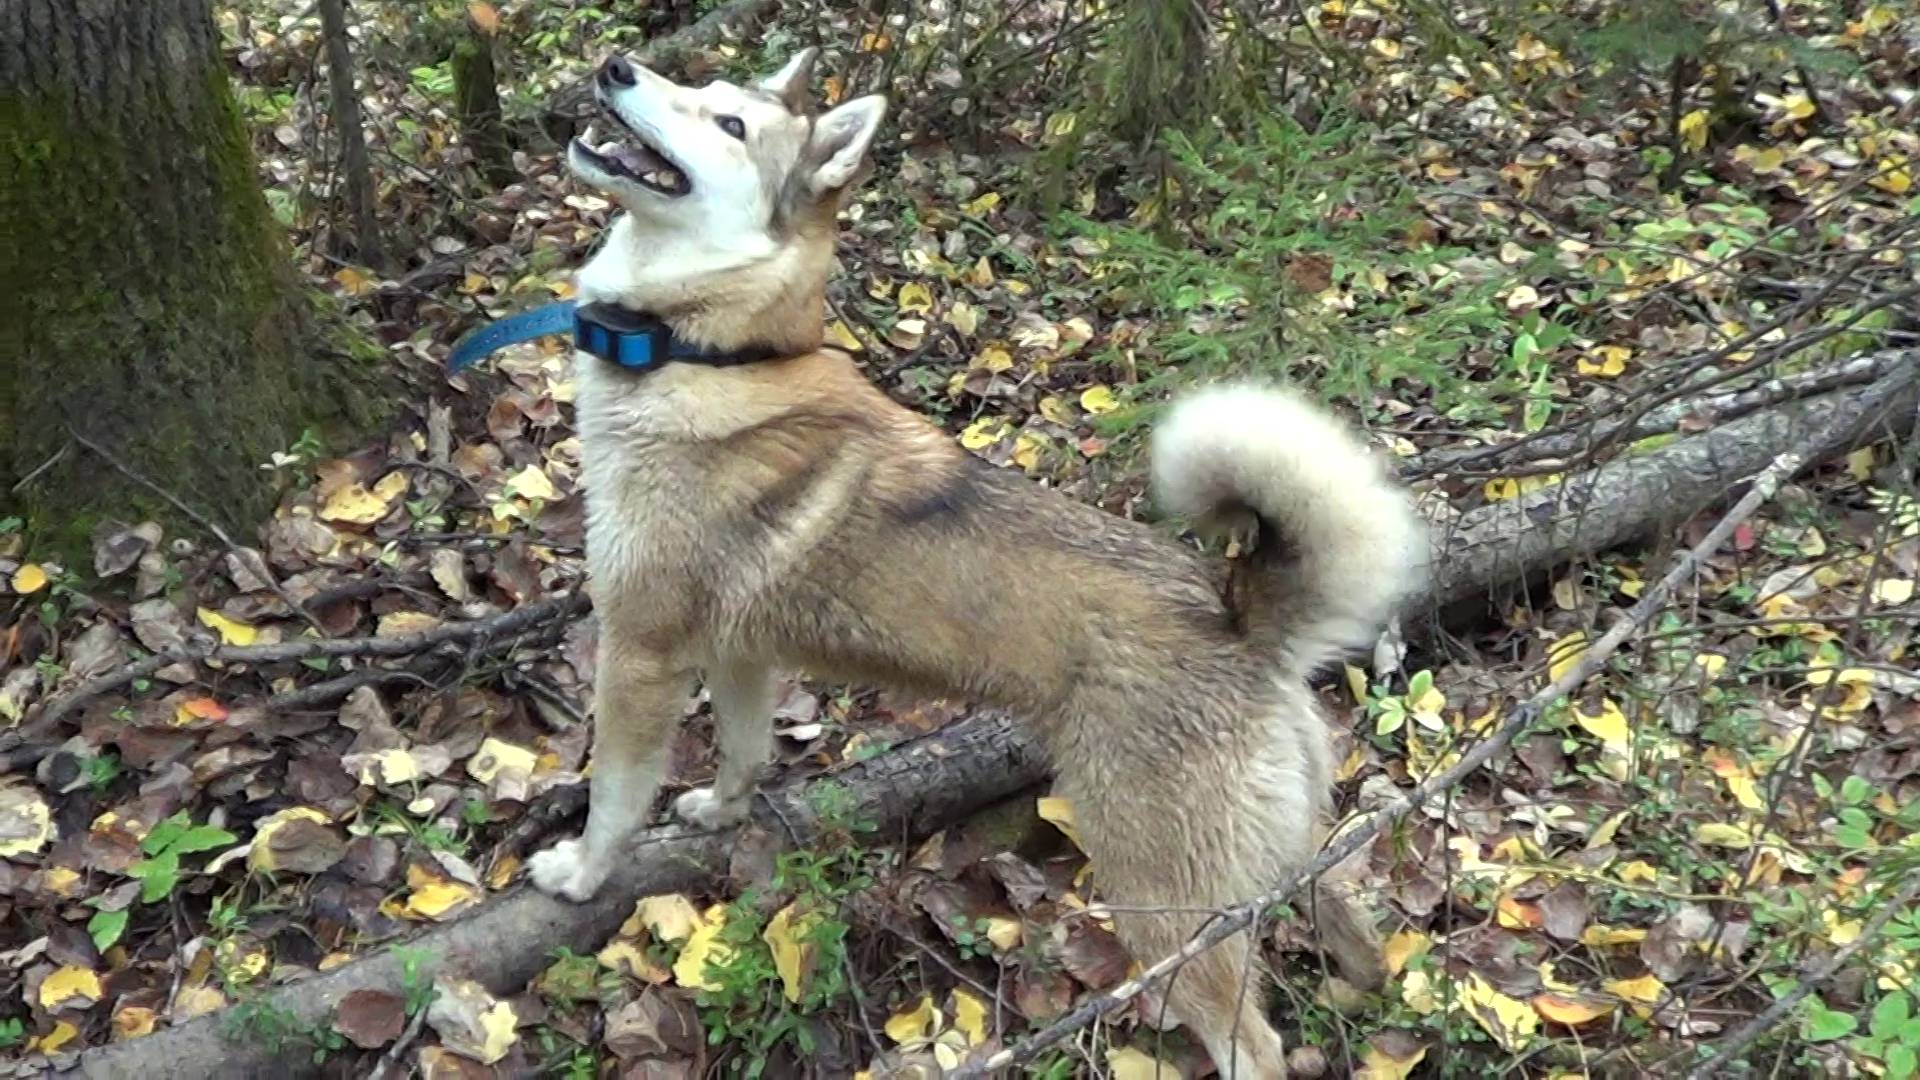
628,338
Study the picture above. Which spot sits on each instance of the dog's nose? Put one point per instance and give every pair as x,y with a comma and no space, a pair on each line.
618,71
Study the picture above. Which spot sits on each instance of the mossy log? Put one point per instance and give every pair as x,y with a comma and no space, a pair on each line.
146,294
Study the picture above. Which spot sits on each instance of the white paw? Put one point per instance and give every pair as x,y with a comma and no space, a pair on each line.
562,870
701,807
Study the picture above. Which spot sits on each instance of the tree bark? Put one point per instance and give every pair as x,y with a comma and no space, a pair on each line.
355,168
146,295
476,96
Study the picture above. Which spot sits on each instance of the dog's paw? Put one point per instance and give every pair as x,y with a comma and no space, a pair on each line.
704,809
563,870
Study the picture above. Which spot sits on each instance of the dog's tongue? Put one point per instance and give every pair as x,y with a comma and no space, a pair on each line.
636,159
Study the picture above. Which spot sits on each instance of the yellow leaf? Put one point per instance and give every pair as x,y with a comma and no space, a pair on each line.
1525,296
1126,1063
841,336
970,1017
669,918
1419,993
1894,180
354,281
260,854
1722,834
355,504
1098,400
1510,1022
1612,362
1799,106
1598,936
1061,124
916,1024
981,206
1563,654
1403,947
1569,1010
50,1043
984,432
1502,488
1840,931
1609,724
1378,1064
26,823
703,949
1054,409
1645,990
231,632
792,957
1005,933
30,578
1026,451
1693,128
915,297
628,958
1386,47
1860,463
1516,914
1767,160
1059,810
1893,590
69,987
434,897
1639,872
963,317
532,483
993,358
496,756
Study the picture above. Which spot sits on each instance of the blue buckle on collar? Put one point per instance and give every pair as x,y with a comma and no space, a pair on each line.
627,338
632,339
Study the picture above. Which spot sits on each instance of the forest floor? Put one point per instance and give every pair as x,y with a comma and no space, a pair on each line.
1463,229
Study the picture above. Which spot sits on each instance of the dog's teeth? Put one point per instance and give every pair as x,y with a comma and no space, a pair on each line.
587,136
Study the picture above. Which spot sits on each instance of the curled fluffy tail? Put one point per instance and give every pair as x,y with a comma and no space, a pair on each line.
1339,544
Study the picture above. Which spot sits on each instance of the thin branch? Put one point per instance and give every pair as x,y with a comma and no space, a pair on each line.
1809,979
475,631
1238,917
204,522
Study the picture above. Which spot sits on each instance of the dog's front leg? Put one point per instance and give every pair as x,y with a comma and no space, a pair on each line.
742,693
638,701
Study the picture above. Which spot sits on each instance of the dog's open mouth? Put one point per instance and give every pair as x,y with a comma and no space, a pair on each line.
628,155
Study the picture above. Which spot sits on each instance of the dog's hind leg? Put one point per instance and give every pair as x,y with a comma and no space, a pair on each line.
742,694
638,702
1172,824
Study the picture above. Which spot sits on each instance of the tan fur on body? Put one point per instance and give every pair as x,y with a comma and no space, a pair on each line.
786,515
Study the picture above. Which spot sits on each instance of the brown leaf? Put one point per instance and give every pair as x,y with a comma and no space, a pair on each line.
1311,273
370,1019
302,846
116,548
1564,911
657,1024
1091,954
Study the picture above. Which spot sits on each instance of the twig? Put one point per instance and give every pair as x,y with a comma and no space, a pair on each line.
391,1059
21,484
204,522
481,631
1807,981
1238,917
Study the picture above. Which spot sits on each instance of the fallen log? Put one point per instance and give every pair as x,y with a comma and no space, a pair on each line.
930,782
914,787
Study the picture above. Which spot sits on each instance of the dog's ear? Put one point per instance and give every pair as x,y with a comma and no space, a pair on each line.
790,83
837,153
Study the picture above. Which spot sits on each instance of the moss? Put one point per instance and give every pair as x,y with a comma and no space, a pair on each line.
152,305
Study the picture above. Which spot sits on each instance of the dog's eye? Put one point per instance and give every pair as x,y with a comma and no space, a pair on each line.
732,126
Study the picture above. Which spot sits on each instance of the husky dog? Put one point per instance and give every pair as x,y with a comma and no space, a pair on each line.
778,512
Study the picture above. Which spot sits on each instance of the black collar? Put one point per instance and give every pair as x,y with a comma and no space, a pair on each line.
640,341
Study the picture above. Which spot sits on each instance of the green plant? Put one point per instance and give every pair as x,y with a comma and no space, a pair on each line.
280,1029
416,981
1299,251
1893,1035
159,872
13,1031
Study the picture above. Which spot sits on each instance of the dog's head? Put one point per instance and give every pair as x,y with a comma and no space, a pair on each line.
736,171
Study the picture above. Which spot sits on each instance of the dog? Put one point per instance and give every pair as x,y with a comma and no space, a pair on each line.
783,514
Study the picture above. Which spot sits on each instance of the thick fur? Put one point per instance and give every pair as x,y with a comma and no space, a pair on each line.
786,515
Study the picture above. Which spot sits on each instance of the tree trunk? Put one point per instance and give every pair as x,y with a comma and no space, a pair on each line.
476,96
355,168
146,295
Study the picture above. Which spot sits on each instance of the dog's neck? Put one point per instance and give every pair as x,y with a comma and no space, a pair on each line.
716,300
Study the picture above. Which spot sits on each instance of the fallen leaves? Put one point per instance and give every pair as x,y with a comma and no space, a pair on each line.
69,987
356,504
26,822
471,1022
29,579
